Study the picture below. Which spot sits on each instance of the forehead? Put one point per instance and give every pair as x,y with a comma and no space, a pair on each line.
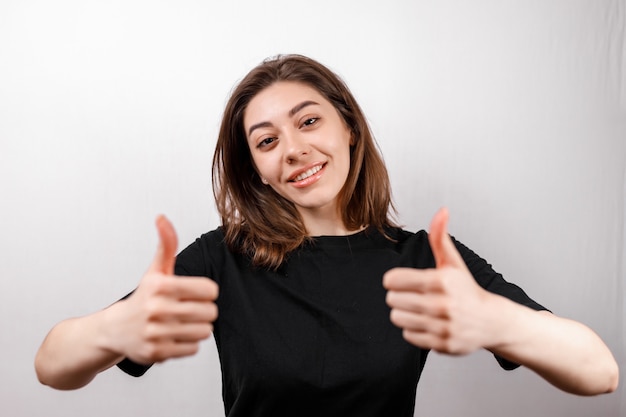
277,99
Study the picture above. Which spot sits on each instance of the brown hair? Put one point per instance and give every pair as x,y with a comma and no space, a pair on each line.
258,221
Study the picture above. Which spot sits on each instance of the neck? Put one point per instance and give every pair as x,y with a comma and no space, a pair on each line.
319,224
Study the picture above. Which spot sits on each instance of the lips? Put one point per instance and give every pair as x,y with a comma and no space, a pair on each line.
305,173
308,173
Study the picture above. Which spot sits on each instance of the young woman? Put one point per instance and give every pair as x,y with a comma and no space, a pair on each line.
325,306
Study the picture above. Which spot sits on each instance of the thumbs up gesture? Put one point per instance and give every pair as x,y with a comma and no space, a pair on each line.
443,309
167,316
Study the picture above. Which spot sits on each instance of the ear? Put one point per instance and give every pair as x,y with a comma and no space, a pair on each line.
352,139
256,170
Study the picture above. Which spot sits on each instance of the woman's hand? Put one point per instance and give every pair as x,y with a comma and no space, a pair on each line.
167,316
443,308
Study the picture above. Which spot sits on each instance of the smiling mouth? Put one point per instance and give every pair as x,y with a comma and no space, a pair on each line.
306,174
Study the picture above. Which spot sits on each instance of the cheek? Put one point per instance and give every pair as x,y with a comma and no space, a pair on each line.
343,148
266,167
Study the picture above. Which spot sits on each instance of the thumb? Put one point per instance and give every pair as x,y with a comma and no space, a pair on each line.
168,243
443,248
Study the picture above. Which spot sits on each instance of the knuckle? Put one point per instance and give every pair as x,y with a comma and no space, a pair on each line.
445,332
214,313
151,352
444,346
390,297
407,335
164,286
443,308
152,309
414,338
394,317
152,332
193,348
389,277
208,331
214,289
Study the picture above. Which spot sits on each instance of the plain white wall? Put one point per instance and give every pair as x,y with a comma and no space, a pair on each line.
511,113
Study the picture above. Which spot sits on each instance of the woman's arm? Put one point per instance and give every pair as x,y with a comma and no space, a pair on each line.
75,351
446,310
165,317
564,352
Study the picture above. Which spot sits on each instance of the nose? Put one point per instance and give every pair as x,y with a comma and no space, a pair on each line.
296,147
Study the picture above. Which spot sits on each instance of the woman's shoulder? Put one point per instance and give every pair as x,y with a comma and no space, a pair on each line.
212,237
201,255
211,240
400,234
405,238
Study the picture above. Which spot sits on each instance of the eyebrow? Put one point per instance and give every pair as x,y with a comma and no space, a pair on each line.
291,113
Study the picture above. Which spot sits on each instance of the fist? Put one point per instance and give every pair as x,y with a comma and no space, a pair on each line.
443,308
167,316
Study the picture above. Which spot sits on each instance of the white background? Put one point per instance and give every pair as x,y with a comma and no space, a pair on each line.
511,113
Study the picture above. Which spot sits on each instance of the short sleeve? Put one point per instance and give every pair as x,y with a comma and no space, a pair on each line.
494,282
133,368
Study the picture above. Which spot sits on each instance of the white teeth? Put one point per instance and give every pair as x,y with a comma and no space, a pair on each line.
308,173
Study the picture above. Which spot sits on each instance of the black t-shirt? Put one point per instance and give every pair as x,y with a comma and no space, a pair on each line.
314,337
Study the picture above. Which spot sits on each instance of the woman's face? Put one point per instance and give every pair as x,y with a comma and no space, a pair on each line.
300,145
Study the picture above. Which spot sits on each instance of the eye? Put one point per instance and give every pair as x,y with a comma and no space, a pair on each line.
266,142
310,121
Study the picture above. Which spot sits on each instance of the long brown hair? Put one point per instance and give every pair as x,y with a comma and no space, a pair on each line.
258,221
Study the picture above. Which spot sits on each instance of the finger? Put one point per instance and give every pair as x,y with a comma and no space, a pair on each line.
196,312
186,311
427,340
433,305
182,349
443,248
178,332
168,244
419,323
164,350
411,279
184,288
